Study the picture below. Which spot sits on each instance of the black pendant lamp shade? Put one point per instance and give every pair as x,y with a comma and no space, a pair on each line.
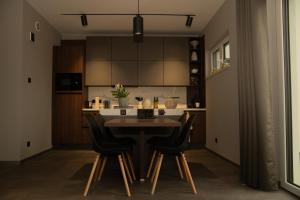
84,21
138,28
189,21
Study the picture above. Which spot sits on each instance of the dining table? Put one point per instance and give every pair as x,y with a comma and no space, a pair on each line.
141,125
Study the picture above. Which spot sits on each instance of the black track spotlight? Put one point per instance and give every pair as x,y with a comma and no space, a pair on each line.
138,28
84,21
189,21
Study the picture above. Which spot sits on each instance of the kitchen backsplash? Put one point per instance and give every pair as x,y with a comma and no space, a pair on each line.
146,92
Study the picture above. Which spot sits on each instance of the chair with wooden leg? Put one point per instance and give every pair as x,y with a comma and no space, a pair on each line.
159,140
106,149
176,149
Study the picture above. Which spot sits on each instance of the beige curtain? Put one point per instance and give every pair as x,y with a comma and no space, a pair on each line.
258,164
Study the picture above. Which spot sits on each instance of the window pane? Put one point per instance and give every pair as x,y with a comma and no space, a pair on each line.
294,132
216,59
226,50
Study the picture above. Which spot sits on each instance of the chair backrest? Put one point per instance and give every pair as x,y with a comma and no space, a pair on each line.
177,131
182,118
100,123
183,139
96,134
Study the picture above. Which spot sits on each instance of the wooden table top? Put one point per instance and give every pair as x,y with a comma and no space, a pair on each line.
134,122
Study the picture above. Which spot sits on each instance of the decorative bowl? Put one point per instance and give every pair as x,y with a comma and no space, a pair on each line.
171,103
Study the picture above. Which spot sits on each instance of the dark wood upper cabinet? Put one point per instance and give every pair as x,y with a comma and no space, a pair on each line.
124,49
98,61
176,73
176,49
151,49
151,73
125,72
70,57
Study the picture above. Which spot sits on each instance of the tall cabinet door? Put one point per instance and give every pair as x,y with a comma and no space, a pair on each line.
66,113
70,57
151,66
176,62
124,61
98,61
67,126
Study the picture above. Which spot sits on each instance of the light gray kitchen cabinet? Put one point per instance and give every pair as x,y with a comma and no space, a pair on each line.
151,49
176,49
124,49
98,73
125,72
98,61
176,73
151,73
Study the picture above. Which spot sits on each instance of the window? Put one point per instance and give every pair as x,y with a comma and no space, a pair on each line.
216,60
226,51
292,65
220,57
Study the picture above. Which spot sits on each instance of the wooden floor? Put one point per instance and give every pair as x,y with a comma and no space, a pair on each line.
62,175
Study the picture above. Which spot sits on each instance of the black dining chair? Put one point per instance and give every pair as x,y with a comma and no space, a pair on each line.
108,135
159,140
108,148
177,149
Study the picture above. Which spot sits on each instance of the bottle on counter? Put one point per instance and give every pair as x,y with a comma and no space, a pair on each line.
97,102
93,103
155,102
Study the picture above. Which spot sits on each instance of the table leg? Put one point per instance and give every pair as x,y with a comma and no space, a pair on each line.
142,155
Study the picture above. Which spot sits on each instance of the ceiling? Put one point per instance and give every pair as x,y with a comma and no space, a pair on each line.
51,10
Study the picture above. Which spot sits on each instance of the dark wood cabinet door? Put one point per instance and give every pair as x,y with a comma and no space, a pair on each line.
151,49
176,73
67,120
125,72
151,73
124,49
176,49
198,134
70,57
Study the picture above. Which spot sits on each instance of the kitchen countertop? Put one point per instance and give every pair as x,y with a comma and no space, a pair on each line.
184,109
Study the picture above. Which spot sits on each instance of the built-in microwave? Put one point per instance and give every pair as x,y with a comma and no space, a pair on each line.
68,81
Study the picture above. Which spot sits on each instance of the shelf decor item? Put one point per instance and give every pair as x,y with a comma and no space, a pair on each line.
194,44
121,94
194,56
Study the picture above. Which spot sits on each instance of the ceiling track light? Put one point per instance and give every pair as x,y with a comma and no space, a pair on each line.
189,21
84,21
138,28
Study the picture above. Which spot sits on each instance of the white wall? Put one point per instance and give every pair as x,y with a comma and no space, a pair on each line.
37,96
222,88
10,78
26,108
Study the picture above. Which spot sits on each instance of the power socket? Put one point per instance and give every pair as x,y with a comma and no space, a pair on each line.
216,140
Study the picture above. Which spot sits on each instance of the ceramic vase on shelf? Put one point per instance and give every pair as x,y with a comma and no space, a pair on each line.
194,56
123,102
194,44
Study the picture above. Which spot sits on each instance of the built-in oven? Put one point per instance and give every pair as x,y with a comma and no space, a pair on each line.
68,81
